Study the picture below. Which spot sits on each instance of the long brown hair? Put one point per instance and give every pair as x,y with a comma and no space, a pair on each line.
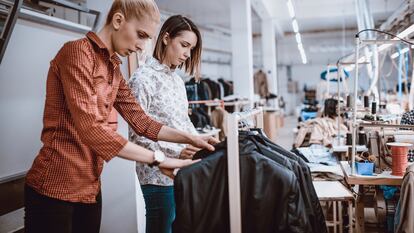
175,25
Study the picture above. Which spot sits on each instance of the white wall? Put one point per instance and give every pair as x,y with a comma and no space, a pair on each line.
303,74
216,47
23,73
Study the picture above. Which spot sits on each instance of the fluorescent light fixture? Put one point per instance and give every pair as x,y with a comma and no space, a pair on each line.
303,56
290,9
397,54
298,38
296,30
406,32
295,25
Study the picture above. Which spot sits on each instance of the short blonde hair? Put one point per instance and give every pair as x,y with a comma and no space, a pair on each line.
134,9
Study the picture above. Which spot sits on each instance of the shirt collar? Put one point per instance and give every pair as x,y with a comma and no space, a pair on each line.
97,41
156,65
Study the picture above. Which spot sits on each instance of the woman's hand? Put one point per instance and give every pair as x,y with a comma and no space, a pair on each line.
169,164
206,142
188,152
169,134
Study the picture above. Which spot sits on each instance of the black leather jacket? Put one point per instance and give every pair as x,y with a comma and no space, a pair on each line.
303,173
270,194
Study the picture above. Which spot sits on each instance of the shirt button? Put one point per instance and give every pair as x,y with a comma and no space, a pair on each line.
109,82
106,105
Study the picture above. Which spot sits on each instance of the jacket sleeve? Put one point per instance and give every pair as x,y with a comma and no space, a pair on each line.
182,222
297,219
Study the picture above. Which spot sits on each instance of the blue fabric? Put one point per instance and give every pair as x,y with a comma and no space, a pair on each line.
389,191
160,207
318,154
397,216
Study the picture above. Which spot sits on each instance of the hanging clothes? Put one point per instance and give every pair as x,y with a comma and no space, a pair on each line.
226,86
219,120
271,193
303,173
405,210
199,118
214,87
197,90
260,84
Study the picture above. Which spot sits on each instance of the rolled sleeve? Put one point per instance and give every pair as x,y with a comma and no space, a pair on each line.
132,112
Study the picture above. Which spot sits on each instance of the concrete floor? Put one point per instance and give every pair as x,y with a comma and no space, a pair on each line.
285,135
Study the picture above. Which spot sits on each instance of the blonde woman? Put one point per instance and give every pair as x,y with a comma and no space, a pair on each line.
84,83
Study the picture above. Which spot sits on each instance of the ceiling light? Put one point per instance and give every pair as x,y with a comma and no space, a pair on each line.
290,9
298,38
295,25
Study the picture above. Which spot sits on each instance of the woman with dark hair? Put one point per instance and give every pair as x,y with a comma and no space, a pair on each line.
162,95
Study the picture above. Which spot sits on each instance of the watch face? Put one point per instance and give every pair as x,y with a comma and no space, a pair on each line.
159,156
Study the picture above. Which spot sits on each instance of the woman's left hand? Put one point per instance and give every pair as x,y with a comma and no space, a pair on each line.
206,142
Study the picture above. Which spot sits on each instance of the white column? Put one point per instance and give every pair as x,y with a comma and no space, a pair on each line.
242,48
269,54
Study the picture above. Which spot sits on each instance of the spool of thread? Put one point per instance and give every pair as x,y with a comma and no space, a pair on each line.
348,139
348,101
374,107
399,155
366,101
362,138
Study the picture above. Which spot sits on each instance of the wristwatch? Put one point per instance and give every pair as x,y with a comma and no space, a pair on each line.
159,157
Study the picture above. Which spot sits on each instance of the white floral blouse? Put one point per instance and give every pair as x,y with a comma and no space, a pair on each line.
162,95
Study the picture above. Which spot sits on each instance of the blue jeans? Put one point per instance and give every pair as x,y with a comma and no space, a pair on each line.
160,207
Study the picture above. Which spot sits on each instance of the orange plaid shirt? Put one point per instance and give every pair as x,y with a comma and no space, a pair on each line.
83,84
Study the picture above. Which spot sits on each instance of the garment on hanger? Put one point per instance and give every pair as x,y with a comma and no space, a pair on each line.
221,89
199,118
215,88
199,89
260,84
303,173
405,209
227,86
271,195
219,120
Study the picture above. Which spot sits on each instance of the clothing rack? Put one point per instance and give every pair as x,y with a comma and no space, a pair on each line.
234,165
208,103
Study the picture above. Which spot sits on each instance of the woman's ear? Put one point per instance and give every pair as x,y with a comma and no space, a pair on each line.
117,21
166,38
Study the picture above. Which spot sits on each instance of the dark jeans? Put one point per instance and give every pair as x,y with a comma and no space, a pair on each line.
44,214
160,207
